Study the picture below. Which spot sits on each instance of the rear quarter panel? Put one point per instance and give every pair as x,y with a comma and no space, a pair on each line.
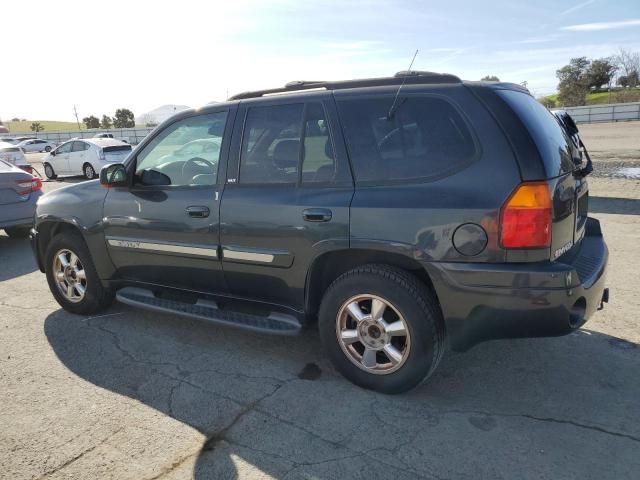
419,219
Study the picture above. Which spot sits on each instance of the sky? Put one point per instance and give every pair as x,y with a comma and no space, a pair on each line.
104,55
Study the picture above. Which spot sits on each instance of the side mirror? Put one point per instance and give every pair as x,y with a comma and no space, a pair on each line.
153,177
53,153
114,175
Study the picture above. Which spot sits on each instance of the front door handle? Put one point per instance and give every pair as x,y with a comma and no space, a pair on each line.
198,211
316,214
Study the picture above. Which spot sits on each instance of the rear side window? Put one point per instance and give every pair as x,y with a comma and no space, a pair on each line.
552,141
271,144
426,137
9,149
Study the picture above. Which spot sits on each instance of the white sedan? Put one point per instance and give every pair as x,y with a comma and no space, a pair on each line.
84,156
12,154
36,145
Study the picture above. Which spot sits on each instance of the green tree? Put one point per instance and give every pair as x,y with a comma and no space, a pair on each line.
630,80
91,121
489,78
600,72
36,127
106,122
628,64
547,102
124,118
15,119
574,83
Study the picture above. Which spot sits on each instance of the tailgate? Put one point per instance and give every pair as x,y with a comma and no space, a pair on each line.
561,158
570,209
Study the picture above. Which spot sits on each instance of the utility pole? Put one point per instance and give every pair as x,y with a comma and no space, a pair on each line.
75,111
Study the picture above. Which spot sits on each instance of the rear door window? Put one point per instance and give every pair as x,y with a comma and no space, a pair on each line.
79,147
551,139
271,144
426,137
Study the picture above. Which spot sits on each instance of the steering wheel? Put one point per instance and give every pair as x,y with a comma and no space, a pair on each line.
200,165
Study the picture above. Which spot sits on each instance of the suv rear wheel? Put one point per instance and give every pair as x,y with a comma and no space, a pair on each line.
382,328
72,276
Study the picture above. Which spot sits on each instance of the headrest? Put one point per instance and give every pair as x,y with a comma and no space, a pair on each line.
287,153
328,149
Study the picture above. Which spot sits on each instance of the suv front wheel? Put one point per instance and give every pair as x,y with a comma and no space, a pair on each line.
382,328
72,276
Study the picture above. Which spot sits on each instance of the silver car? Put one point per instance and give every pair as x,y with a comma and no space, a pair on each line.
19,192
36,145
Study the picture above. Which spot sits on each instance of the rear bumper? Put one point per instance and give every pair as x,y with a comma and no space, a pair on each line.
488,301
19,213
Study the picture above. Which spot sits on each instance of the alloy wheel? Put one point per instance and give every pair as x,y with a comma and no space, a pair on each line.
70,276
373,334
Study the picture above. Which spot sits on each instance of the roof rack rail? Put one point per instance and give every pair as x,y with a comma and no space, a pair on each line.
409,77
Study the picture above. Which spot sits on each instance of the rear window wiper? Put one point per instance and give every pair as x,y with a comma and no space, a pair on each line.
588,168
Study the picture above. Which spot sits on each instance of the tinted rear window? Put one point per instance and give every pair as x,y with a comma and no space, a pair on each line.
9,149
426,137
552,141
117,148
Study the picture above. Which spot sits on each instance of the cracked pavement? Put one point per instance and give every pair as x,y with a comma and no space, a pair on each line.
132,394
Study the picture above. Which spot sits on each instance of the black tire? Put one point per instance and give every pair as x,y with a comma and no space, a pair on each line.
97,297
89,171
47,149
17,232
49,172
412,300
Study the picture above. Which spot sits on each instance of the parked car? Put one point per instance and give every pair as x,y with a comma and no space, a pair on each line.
36,145
363,204
23,138
19,192
11,140
109,135
84,157
14,155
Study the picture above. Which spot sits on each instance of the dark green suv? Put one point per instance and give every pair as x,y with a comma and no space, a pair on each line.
403,214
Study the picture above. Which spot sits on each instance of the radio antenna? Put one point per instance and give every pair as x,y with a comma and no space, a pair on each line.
404,79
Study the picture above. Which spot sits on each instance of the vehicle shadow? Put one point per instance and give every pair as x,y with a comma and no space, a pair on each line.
541,406
16,258
619,206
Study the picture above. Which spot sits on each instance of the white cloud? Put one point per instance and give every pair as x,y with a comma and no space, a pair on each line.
577,7
588,27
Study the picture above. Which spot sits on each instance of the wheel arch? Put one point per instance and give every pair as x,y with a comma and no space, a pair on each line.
330,265
49,228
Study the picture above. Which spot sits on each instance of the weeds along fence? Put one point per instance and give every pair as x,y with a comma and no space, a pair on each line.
130,135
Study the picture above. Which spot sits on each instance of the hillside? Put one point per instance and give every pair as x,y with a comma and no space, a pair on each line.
49,126
598,98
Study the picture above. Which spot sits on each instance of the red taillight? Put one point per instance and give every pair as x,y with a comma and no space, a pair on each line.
525,220
27,186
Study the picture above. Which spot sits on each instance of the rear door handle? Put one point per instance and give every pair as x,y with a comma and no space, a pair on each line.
316,214
198,211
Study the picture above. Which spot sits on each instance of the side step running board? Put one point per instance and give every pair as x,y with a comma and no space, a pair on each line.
276,323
